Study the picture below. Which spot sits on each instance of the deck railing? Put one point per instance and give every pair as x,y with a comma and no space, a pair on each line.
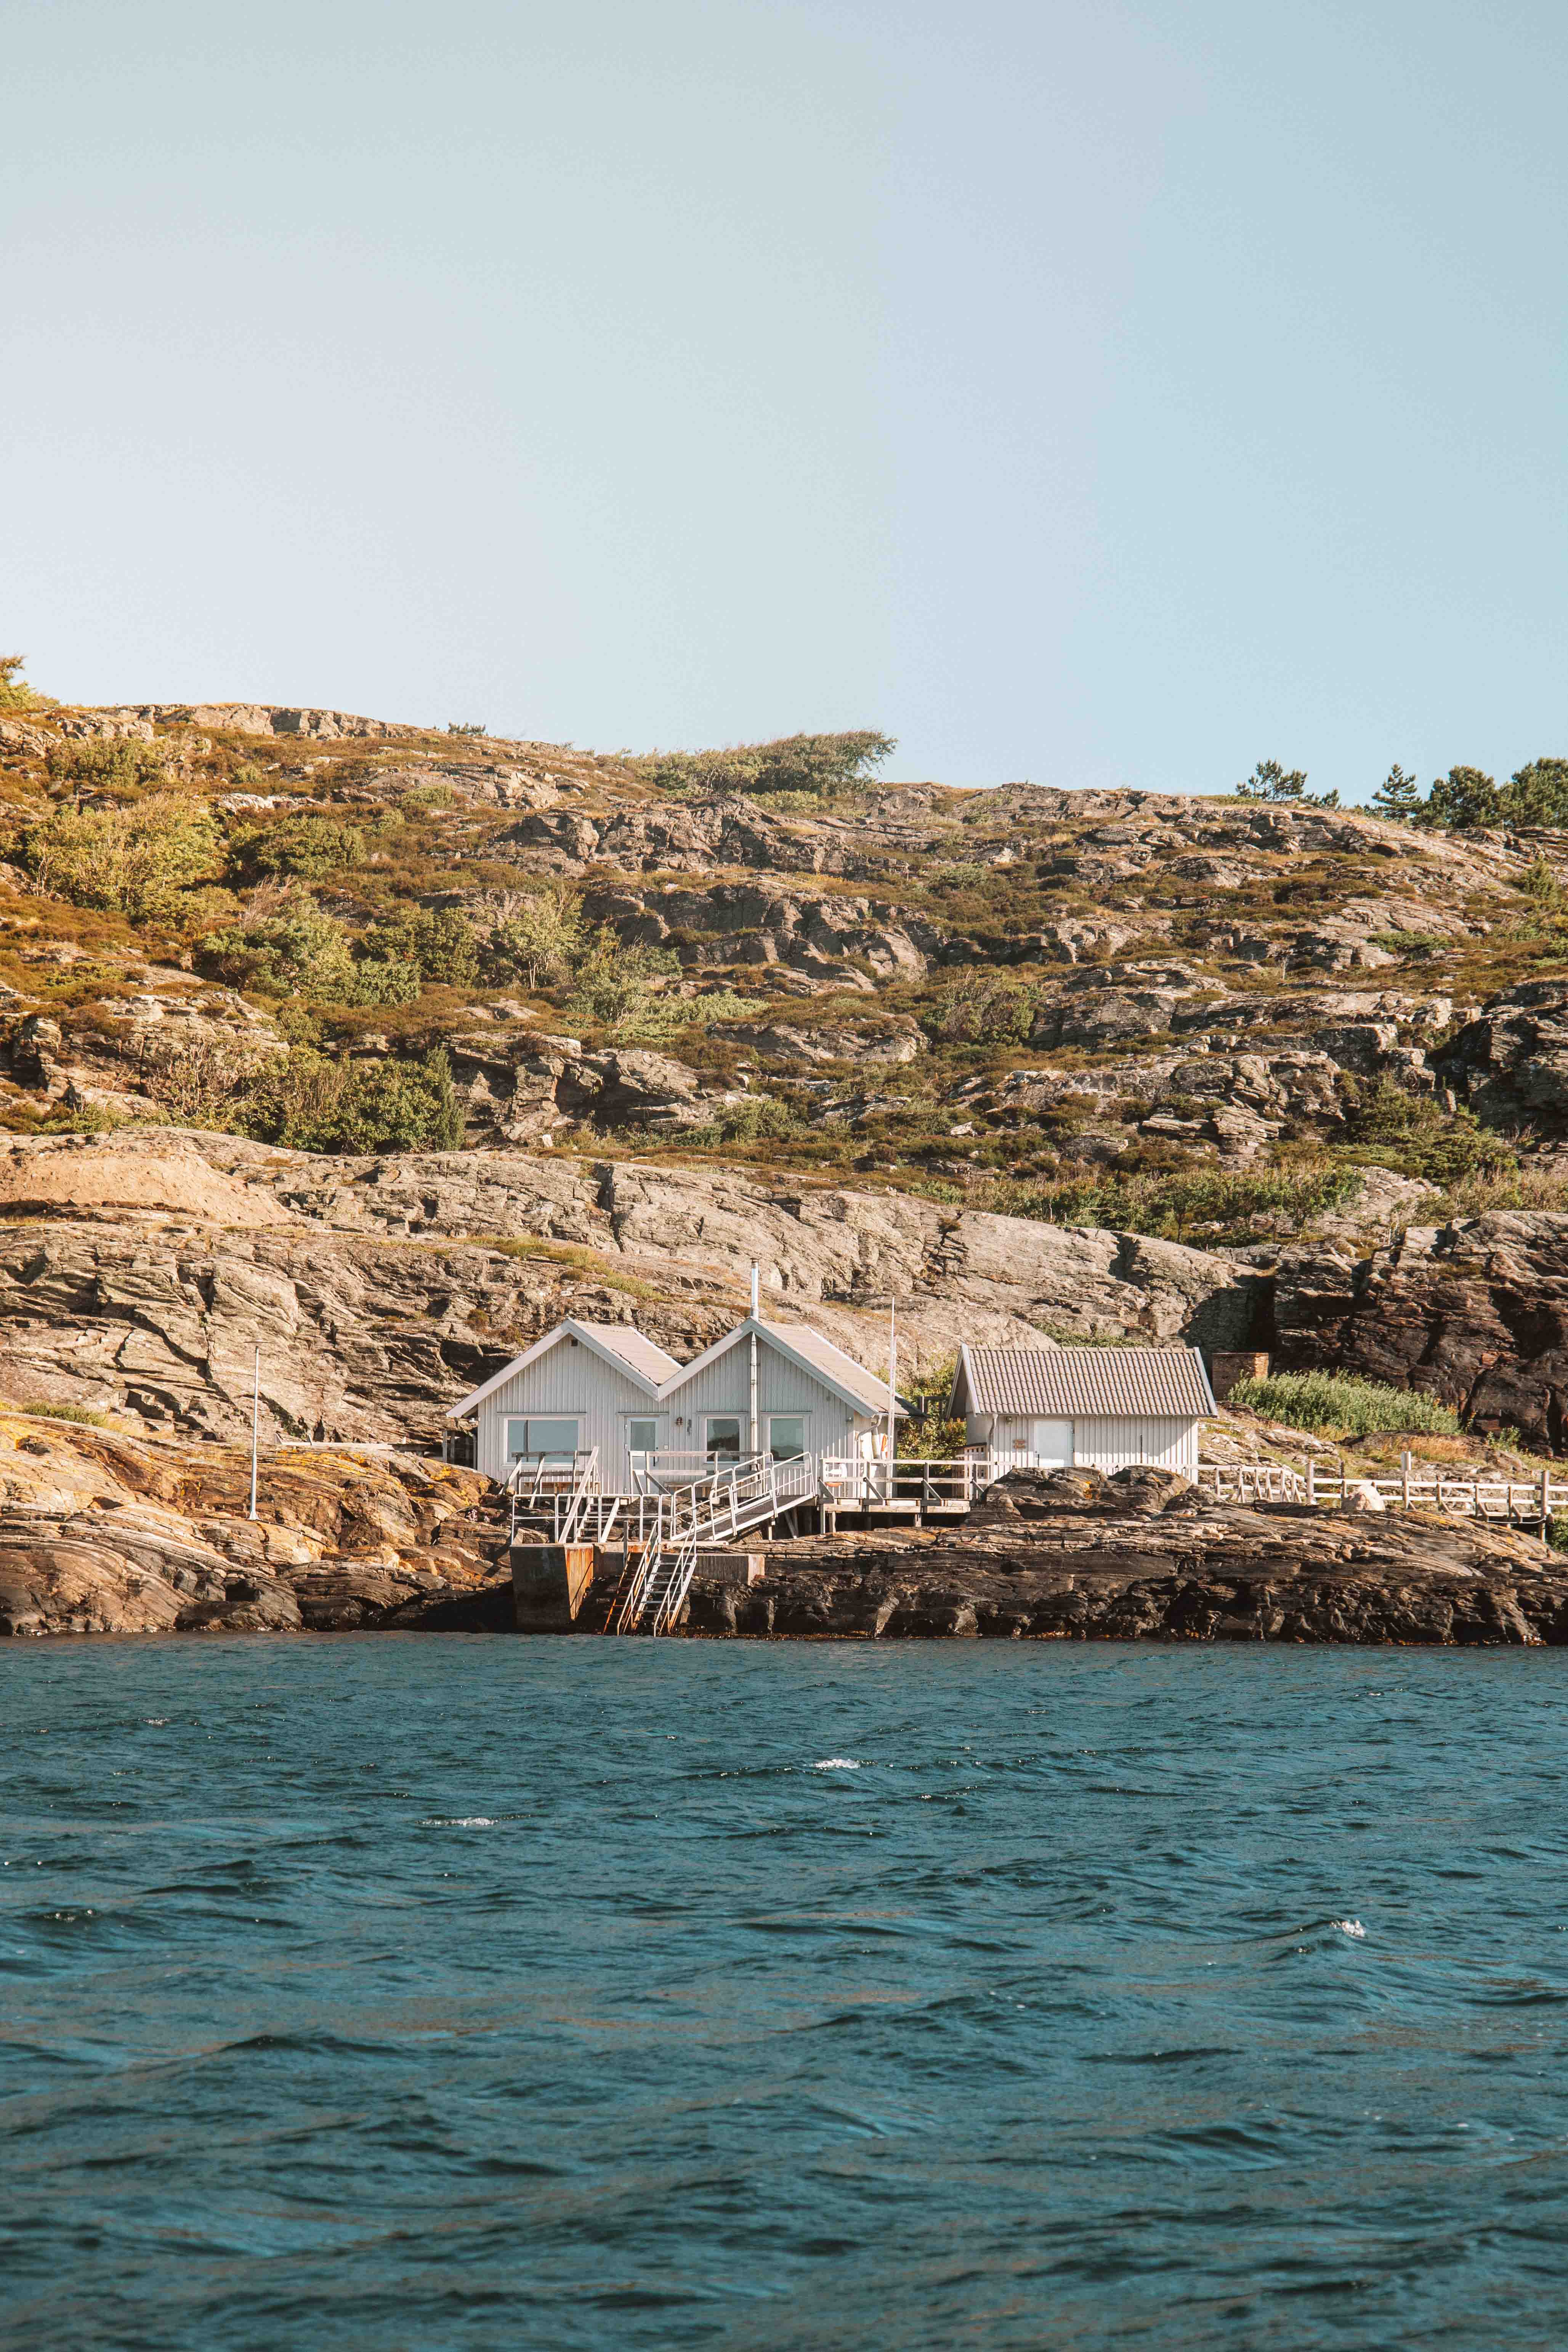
852,1482
1463,1494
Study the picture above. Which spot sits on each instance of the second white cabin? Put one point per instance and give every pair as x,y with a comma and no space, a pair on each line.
1083,1408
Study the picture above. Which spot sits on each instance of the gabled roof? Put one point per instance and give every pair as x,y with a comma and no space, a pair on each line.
812,1351
641,1358
1068,1380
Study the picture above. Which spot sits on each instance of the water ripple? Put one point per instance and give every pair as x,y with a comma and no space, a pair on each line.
388,1993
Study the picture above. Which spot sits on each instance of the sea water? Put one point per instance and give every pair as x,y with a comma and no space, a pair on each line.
421,1991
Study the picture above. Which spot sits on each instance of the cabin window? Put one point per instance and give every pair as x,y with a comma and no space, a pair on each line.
723,1437
786,1436
1051,1443
642,1437
541,1441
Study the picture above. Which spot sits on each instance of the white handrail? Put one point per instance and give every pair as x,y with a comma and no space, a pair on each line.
1471,1493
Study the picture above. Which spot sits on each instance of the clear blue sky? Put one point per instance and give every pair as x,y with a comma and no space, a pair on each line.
1086,392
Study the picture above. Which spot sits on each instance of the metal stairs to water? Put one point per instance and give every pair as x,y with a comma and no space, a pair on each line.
729,1500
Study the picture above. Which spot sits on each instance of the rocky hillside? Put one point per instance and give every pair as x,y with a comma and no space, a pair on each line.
380,1047
105,1532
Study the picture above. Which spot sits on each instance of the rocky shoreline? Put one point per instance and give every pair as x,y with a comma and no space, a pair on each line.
1142,1557
105,1534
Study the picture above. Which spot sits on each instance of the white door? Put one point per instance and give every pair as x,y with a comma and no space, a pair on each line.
1050,1442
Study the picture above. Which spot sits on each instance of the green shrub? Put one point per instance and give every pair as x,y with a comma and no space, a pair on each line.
757,1116
1416,947
294,848
383,981
16,694
438,941
983,1010
313,1104
79,1413
818,768
1414,1135
136,861
109,766
291,947
1320,1400
537,938
616,988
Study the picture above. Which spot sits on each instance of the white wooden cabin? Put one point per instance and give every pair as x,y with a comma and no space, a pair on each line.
771,1389
584,1384
1100,1408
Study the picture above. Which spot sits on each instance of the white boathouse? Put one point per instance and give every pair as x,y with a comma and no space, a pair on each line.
767,1390
1100,1408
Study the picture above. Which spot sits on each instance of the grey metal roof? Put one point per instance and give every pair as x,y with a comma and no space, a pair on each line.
836,1367
643,1354
647,1361
1068,1380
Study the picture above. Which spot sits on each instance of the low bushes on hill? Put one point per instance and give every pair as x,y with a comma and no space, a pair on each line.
294,848
312,1104
112,766
1337,1400
1416,1136
537,938
137,861
1210,1203
617,988
287,945
816,769
438,941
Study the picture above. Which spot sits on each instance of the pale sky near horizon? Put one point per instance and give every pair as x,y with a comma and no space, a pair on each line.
1092,392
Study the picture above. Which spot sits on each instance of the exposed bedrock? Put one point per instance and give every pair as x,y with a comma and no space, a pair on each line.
143,1271
1141,1556
102,1532
1475,1313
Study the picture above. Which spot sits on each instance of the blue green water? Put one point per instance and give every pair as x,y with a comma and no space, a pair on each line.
420,1991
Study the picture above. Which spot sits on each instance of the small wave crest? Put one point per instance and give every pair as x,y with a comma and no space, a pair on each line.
459,1822
837,1764
1349,1928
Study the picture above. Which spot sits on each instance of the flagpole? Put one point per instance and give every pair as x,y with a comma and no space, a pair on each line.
254,1426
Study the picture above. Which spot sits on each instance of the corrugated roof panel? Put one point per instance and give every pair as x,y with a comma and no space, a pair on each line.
1068,1380
643,1354
818,1349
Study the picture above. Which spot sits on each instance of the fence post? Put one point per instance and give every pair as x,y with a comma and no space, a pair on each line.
1312,1482
1545,1503
1405,1480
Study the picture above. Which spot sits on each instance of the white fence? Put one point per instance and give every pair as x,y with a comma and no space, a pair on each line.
1462,1494
850,1482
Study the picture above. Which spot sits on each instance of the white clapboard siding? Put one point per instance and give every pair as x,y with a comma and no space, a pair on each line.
1113,1443
1108,1443
724,1387
570,1383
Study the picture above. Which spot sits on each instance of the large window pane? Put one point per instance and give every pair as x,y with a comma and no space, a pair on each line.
786,1436
723,1438
552,1437
541,1441
642,1437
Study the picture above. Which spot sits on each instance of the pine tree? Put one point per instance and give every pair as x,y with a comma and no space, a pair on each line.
1397,797
1270,782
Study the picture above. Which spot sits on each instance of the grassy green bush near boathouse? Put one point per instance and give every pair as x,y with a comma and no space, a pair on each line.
1336,1400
